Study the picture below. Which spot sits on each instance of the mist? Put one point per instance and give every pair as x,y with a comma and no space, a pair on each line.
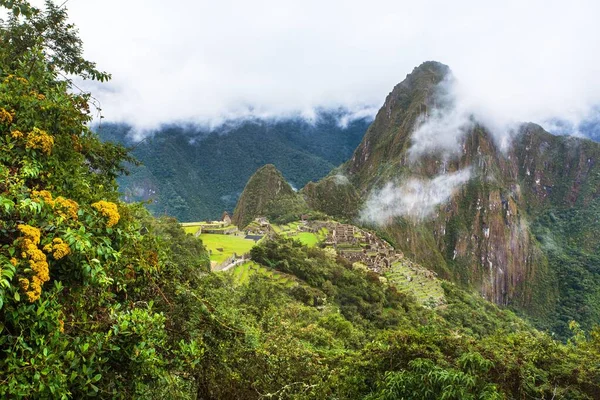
414,198
205,62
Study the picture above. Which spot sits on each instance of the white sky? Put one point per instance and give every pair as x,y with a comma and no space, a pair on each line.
184,60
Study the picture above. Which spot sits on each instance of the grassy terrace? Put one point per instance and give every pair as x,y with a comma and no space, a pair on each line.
190,227
229,243
242,273
309,239
423,288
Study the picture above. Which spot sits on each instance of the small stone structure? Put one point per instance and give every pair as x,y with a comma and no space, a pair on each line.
226,218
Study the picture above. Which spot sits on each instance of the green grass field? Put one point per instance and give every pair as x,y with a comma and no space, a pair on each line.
229,243
423,288
307,238
242,273
190,227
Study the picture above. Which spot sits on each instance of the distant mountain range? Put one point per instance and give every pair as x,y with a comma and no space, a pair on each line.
196,174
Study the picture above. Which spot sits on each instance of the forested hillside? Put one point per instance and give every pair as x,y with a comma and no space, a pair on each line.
195,174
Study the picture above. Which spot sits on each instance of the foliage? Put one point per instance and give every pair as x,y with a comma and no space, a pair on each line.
569,238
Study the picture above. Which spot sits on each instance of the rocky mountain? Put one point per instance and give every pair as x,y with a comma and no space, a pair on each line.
194,173
515,219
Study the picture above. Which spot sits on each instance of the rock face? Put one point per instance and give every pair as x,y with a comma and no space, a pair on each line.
263,191
481,236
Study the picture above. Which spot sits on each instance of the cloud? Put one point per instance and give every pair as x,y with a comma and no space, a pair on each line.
340,179
209,60
441,128
350,116
454,112
415,198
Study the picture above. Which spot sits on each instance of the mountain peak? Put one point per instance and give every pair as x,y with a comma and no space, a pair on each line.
424,77
434,67
264,188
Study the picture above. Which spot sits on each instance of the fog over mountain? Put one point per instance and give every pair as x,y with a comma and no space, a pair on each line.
208,61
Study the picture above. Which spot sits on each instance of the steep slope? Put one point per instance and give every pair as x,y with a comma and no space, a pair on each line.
482,234
266,194
195,174
333,195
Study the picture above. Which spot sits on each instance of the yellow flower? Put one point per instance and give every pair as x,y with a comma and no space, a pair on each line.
58,248
16,78
5,116
39,139
108,210
37,262
61,249
24,283
36,290
61,326
44,195
16,134
30,232
14,261
69,207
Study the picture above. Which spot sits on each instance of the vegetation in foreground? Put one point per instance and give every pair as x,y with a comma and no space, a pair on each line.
99,299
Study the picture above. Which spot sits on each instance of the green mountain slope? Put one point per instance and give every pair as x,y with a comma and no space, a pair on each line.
487,236
195,174
266,194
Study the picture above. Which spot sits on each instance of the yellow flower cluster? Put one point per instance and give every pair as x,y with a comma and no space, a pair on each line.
68,207
5,116
58,248
37,95
44,195
16,78
30,233
16,134
39,139
109,210
37,262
